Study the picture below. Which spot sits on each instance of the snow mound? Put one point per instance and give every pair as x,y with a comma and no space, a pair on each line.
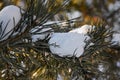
116,39
9,18
83,29
68,44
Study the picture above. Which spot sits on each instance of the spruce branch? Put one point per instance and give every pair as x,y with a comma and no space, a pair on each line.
25,59
19,48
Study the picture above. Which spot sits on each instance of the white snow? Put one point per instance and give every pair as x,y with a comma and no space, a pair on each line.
59,77
118,64
89,2
83,29
68,44
114,6
74,14
45,31
101,68
42,33
116,38
9,16
64,44
60,23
